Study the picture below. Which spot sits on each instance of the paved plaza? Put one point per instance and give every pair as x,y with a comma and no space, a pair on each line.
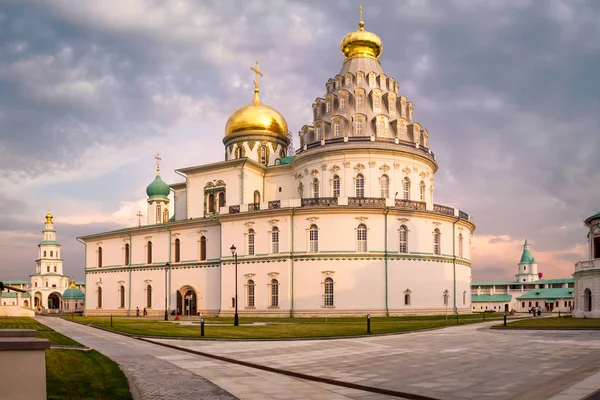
466,362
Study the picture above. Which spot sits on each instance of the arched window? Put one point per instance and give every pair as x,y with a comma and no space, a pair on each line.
381,128
407,299
422,191
221,199
99,257
328,106
358,127
256,196
313,238
336,186
343,103
392,105
385,186
371,80
376,102
177,250
337,129
203,248
275,240
211,203
251,292
274,293
318,133
238,152
316,188
360,79
587,300
149,296
360,101
99,297
403,239
328,293
122,297
436,242
251,242
406,188
149,255
166,215
262,153
127,254
360,185
361,238
460,245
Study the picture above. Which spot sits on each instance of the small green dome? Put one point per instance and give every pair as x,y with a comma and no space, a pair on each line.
158,189
72,293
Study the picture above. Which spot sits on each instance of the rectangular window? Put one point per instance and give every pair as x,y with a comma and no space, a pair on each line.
336,187
360,79
51,254
343,103
328,106
392,105
251,244
275,241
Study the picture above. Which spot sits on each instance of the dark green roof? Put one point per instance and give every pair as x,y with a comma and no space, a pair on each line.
286,160
560,293
158,189
80,283
52,242
494,283
16,282
73,294
561,280
479,298
13,295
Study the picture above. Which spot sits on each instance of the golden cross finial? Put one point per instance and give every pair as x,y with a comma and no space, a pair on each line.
139,215
158,159
48,207
258,73
361,24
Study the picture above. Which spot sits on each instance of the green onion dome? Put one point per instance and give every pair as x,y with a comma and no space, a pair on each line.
158,189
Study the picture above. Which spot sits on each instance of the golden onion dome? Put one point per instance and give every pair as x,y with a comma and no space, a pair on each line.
361,43
256,117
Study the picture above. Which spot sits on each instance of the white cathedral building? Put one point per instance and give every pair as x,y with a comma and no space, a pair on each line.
587,274
345,226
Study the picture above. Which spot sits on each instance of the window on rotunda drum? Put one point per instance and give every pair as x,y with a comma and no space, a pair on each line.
316,188
313,238
238,152
256,196
55,268
360,100
328,106
221,199
422,191
403,248
360,185
358,127
361,238
392,105
406,188
275,240
348,80
385,186
337,129
263,155
99,257
251,242
343,103
460,245
360,79
177,250
381,128
371,80
336,186
376,103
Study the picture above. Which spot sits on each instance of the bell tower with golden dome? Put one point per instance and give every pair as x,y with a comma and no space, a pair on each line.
256,131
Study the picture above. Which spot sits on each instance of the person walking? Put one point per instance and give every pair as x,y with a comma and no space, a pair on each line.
145,312
137,311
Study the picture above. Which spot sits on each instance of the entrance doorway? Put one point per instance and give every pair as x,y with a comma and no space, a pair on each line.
186,301
54,301
587,300
506,307
37,301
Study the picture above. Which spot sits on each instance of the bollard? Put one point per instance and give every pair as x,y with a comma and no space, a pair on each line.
111,320
504,318
201,326
368,323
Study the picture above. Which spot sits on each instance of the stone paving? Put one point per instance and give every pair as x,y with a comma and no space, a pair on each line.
466,362
157,372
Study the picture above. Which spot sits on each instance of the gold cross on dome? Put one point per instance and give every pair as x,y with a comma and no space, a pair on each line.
258,73
139,215
361,24
48,207
158,159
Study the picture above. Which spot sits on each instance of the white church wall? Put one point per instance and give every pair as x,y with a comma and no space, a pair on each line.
180,204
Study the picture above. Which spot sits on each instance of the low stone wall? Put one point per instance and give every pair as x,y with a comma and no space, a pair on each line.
23,358
16,311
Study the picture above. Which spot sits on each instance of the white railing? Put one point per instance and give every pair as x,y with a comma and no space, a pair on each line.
585,265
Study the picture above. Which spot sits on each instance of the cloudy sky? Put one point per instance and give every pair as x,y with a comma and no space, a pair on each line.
90,91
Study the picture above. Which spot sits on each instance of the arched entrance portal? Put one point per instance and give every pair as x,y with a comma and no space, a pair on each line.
54,301
187,301
587,300
37,301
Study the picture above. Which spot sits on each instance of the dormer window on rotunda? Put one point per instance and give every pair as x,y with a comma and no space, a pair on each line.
343,103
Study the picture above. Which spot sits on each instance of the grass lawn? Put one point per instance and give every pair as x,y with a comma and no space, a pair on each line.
282,327
74,374
43,331
553,323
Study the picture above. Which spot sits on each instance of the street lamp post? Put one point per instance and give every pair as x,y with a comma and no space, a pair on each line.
167,265
236,321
